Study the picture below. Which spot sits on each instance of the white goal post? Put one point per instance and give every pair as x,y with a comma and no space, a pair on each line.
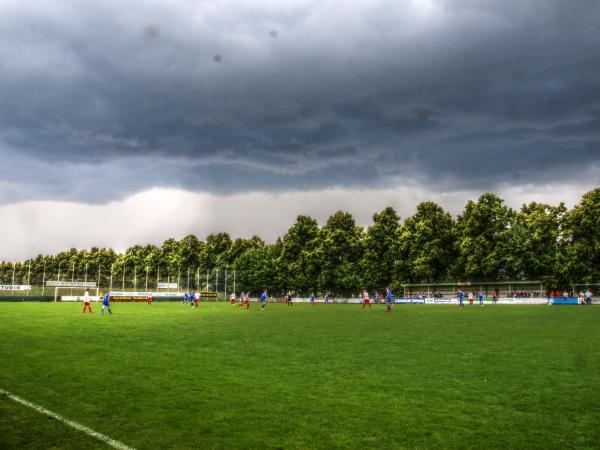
75,293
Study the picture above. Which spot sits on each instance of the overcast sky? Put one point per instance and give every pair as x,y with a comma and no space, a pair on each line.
129,122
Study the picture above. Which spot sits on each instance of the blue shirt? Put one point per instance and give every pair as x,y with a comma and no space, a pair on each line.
263,297
105,299
312,297
461,294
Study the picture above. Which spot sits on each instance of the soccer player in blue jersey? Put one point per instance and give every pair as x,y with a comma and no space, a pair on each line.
312,298
106,303
480,298
461,298
186,297
326,298
389,299
263,299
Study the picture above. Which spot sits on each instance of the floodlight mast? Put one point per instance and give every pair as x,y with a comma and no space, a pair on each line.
44,278
29,277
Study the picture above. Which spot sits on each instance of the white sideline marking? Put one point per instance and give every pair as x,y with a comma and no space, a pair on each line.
71,423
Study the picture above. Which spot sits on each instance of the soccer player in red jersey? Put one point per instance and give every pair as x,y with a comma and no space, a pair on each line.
150,297
86,302
245,301
366,300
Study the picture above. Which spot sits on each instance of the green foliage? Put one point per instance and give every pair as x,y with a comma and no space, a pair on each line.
216,250
481,233
426,248
581,240
256,270
380,250
532,245
338,254
239,246
298,260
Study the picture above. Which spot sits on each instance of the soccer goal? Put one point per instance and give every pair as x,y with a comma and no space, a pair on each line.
74,294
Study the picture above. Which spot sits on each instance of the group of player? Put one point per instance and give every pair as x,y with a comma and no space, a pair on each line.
193,298
471,296
244,299
389,298
87,304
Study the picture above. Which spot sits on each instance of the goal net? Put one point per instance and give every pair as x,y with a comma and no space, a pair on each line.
74,294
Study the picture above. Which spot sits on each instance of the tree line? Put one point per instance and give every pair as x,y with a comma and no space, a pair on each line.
488,241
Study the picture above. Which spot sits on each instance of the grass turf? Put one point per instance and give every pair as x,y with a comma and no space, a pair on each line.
309,376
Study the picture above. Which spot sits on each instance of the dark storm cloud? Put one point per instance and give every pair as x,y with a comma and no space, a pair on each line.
295,95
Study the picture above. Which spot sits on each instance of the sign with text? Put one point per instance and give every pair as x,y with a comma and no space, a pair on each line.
167,285
15,287
128,296
83,284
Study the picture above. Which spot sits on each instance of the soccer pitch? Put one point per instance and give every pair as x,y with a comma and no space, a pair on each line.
307,376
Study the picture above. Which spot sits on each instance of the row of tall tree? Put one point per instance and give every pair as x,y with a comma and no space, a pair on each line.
487,242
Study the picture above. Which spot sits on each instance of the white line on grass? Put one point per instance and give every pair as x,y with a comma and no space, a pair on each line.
71,423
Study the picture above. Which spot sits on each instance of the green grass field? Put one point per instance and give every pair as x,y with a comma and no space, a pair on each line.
321,376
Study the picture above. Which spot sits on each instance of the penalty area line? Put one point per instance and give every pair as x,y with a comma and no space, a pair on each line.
102,437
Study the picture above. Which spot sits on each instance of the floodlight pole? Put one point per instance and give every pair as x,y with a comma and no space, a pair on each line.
124,265
225,298
98,279
29,277
157,276
135,278
86,272
112,266
59,262
146,278
217,283
188,279
72,276
207,271
234,281
44,278
13,274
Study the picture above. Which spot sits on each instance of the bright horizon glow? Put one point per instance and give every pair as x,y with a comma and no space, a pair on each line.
154,215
